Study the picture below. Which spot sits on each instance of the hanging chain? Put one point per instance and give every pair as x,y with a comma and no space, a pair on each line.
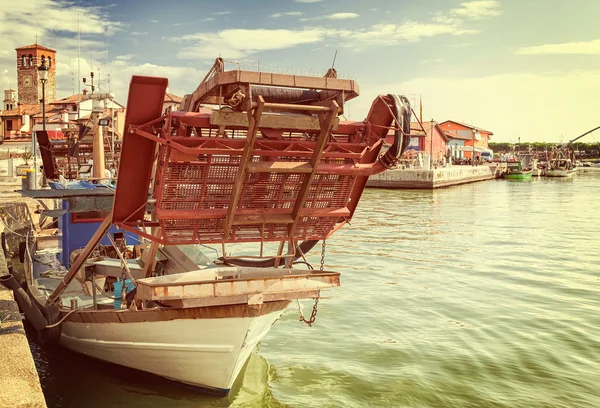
313,314
322,256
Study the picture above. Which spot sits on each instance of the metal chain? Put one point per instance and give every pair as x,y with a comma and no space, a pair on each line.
313,315
322,256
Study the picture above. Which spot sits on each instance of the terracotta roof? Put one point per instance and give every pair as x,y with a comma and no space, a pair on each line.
415,128
36,46
467,125
49,112
453,135
172,98
69,99
23,110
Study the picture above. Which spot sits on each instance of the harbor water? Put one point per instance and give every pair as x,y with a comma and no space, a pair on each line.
480,295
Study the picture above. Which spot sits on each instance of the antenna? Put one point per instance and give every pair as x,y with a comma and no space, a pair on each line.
78,57
334,57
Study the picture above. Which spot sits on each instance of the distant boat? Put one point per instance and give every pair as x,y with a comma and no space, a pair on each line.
560,168
521,169
516,171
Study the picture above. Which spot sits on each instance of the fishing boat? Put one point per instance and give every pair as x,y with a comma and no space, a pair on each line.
560,167
516,171
520,169
254,164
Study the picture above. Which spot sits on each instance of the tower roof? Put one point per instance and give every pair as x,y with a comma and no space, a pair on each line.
34,46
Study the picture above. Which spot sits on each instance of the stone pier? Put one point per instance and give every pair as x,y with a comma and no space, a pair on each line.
436,178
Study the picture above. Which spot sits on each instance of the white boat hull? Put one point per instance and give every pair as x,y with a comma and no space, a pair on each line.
207,353
558,173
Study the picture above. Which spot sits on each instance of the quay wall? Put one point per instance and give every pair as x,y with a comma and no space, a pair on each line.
430,179
19,381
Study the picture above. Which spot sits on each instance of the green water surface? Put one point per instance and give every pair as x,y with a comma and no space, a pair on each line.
481,295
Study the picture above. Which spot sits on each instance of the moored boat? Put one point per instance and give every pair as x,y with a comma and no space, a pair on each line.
560,167
122,278
520,169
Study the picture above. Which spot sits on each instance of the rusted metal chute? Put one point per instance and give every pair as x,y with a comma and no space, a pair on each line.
268,161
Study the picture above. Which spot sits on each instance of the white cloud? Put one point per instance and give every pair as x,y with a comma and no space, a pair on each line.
287,13
581,47
342,16
500,102
238,43
390,34
308,1
153,21
138,33
477,9
222,13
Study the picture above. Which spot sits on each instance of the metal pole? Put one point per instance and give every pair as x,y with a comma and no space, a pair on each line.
473,153
431,146
34,136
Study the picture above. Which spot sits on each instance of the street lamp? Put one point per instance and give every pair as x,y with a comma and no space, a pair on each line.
43,75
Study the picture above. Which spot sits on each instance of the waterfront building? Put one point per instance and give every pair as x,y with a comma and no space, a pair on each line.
21,110
430,139
472,134
455,144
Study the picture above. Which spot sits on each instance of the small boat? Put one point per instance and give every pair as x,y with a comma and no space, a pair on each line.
560,167
520,169
267,165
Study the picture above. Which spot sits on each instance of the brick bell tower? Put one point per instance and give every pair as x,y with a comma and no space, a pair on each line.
29,58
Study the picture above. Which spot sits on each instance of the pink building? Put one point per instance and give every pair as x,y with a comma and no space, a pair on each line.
429,139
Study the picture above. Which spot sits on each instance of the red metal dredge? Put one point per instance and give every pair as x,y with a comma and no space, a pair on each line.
269,160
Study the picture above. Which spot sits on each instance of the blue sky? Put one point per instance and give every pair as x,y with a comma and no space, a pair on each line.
524,69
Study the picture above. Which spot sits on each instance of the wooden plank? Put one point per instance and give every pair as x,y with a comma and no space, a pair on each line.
254,122
240,299
168,314
269,121
279,167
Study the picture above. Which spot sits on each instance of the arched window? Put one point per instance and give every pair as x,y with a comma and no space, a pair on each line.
49,62
43,60
30,60
23,60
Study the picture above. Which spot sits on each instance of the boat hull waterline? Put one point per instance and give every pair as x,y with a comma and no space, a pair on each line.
518,176
207,353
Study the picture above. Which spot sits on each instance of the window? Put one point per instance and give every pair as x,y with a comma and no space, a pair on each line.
23,60
43,60
30,60
9,124
49,62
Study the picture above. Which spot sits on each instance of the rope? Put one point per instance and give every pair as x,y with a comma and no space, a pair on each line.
50,326
14,232
103,292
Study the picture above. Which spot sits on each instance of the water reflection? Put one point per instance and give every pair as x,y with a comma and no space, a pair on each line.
73,380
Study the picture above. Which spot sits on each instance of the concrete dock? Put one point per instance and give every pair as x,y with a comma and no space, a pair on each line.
19,382
436,178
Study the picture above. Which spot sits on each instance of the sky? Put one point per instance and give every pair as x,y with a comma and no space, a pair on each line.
526,70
